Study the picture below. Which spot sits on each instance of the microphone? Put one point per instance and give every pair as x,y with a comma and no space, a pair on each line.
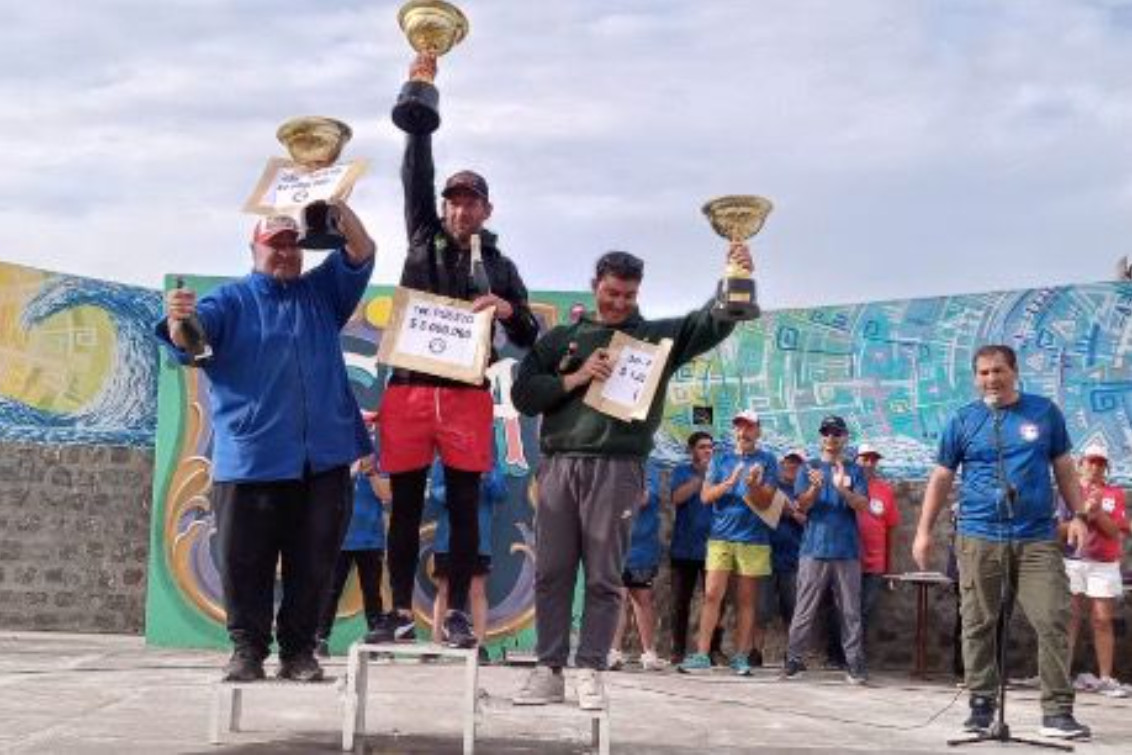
1010,493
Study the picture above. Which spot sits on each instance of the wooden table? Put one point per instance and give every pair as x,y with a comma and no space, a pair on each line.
922,581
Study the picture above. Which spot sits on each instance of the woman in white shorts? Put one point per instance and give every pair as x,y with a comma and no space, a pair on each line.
1094,569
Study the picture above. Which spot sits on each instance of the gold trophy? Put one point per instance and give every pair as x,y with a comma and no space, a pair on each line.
433,27
736,218
312,176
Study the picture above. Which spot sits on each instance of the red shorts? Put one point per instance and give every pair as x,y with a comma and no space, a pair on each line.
417,421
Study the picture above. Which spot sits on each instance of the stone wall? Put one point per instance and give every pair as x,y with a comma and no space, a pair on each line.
893,630
74,533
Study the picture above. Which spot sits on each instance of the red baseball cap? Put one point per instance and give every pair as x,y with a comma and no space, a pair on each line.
269,227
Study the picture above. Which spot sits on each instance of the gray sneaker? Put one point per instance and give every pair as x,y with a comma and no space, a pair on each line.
591,689
542,687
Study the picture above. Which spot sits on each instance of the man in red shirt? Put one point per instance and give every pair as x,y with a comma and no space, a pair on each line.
1094,569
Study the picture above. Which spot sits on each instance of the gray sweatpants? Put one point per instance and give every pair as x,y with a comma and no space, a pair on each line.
586,506
814,578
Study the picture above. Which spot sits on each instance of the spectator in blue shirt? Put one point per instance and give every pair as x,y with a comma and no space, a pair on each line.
493,491
1009,447
738,483
363,548
829,494
687,551
642,563
286,429
778,591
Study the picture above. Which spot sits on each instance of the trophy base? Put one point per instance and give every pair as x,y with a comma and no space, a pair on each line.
320,228
417,109
735,300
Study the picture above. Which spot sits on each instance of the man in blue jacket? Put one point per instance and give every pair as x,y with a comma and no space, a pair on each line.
286,428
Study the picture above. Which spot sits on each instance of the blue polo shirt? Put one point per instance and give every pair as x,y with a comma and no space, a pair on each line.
831,525
693,520
732,519
644,542
367,523
1033,434
280,400
493,490
786,539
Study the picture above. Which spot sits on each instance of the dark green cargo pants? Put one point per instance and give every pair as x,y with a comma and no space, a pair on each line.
1041,590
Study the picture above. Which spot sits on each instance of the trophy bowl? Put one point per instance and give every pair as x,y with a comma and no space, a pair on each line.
314,141
737,218
432,26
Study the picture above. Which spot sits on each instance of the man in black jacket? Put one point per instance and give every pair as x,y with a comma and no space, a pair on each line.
423,414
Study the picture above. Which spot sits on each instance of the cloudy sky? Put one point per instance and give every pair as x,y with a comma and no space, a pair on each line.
911,147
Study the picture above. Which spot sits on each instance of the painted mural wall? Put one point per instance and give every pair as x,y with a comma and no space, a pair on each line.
77,364
897,370
184,606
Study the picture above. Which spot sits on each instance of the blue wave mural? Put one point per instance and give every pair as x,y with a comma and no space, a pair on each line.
124,409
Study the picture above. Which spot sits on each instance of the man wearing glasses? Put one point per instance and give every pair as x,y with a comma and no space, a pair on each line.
830,494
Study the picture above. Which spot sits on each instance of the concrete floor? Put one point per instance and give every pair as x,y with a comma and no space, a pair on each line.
111,694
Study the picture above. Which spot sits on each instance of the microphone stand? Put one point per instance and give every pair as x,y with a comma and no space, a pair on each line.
1000,730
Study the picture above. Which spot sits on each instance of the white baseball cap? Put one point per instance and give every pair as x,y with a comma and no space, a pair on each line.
867,449
1095,451
747,415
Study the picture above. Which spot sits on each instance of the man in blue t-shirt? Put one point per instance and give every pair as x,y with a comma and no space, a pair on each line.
642,563
738,483
687,552
1006,446
829,494
285,430
778,591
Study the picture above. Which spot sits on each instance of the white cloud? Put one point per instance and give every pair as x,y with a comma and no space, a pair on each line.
911,147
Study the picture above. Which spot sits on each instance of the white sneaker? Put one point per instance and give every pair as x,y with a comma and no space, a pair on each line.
614,661
542,687
591,689
1109,687
652,662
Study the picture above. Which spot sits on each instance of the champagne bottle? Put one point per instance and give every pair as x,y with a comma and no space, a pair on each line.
480,283
196,344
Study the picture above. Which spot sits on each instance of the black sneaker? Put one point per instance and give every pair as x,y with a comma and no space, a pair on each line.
392,627
245,665
1063,726
322,648
755,658
458,630
483,657
793,669
301,668
982,715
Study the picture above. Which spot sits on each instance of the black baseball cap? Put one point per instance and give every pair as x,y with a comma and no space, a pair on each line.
833,423
467,181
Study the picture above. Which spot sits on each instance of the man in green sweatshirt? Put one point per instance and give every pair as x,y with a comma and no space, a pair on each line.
592,476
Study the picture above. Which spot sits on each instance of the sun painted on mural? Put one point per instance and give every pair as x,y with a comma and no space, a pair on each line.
77,364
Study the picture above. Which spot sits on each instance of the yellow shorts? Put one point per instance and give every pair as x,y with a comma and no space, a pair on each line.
745,559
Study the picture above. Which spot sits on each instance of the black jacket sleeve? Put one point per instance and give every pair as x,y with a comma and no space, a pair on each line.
421,220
